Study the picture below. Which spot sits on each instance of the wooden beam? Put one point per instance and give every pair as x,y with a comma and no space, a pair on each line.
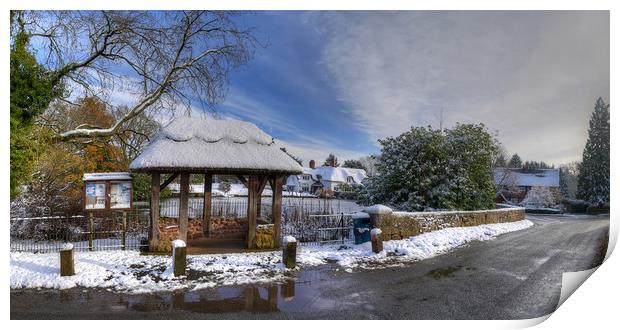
261,186
251,214
206,210
168,181
154,233
276,207
243,180
183,206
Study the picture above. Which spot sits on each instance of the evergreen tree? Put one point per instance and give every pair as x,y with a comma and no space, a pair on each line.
515,161
426,168
31,93
352,163
593,179
331,161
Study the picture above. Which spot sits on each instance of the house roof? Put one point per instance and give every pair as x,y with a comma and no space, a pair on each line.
516,177
205,143
337,174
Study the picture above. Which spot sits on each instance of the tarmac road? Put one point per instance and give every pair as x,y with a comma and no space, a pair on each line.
517,275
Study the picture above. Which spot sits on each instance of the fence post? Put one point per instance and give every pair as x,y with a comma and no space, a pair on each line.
124,232
289,253
90,231
179,257
67,267
375,238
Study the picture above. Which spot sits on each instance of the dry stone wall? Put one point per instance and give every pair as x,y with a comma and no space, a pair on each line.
400,225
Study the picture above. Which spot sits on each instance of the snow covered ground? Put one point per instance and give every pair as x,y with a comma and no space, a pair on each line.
133,273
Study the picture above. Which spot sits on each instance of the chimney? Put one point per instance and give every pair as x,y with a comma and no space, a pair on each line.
332,162
312,164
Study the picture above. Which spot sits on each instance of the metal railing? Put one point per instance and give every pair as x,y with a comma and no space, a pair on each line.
321,229
100,232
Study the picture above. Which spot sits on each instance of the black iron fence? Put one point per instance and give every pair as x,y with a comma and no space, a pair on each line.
310,220
111,231
320,228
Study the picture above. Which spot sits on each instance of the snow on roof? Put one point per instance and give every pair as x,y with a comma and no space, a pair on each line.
106,176
209,143
337,174
541,178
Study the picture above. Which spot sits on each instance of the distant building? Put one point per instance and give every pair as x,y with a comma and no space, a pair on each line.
325,177
514,183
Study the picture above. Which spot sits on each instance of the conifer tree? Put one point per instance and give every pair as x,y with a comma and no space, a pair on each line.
515,161
593,180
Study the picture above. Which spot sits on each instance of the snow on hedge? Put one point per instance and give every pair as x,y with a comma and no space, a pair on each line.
134,273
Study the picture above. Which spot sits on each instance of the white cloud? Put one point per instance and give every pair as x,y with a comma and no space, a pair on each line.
532,76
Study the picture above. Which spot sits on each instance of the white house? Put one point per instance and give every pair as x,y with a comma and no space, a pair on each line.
324,177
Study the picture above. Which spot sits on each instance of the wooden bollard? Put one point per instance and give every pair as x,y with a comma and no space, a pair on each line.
289,253
375,238
179,257
67,267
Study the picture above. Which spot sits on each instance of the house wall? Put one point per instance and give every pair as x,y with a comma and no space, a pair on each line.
400,225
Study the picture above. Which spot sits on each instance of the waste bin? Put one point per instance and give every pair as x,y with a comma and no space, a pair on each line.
361,229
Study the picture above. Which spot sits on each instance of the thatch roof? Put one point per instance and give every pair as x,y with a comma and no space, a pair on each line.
207,144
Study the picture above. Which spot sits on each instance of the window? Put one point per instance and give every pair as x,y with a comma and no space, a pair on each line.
350,179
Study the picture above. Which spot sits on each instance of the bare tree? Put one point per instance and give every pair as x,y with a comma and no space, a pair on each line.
155,60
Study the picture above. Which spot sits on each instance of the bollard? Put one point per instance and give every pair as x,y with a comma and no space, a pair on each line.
289,253
179,257
67,267
375,238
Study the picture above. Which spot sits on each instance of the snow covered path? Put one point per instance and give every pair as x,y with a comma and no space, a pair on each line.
129,271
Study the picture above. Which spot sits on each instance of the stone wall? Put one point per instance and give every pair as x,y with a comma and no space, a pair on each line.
229,228
400,225
264,237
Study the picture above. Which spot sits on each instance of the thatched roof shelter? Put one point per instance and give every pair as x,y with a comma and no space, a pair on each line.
210,146
207,144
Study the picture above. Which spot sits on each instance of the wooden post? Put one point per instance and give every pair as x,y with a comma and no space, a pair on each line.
67,266
90,231
183,206
276,208
289,253
251,214
179,257
124,231
262,182
154,235
375,238
206,210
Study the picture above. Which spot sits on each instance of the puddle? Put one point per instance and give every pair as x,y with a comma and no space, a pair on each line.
290,295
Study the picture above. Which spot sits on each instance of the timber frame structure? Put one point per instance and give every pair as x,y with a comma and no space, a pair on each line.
209,147
254,182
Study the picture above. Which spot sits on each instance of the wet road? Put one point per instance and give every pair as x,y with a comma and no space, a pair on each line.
518,275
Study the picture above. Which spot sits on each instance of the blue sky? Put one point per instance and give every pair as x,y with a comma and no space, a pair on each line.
336,81
287,91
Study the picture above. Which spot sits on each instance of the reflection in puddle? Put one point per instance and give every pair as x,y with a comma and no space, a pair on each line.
292,295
